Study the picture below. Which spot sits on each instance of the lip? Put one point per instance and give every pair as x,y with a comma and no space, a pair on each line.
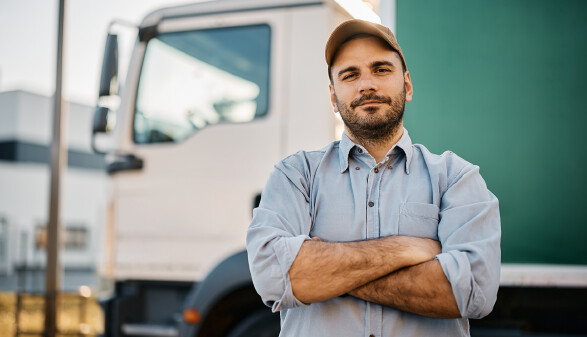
370,103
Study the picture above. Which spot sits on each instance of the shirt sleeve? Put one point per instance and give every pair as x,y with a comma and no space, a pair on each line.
280,225
470,232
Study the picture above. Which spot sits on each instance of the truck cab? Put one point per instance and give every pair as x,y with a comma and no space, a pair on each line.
215,94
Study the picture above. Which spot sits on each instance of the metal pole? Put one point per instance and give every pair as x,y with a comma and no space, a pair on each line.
58,163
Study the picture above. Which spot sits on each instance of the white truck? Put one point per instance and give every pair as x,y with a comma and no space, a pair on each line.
215,94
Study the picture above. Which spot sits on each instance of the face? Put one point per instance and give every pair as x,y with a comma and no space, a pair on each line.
369,89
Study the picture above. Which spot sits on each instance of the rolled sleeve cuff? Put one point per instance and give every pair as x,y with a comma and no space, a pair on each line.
286,251
470,299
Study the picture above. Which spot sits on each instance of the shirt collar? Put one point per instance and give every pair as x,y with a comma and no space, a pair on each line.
346,145
405,143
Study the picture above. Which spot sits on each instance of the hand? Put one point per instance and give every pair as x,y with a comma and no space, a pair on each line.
419,250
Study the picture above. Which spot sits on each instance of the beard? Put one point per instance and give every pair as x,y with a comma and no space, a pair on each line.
374,126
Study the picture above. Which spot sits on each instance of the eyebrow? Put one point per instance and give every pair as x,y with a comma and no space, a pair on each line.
376,64
373,64
347,69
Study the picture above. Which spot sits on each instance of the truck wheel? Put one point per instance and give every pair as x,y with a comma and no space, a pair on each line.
262,323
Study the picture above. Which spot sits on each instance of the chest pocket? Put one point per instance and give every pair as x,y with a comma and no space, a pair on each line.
419,220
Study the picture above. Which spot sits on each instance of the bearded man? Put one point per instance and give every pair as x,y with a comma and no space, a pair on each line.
373,235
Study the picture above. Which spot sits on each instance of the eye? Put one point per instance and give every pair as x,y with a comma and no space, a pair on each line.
349,76
382,70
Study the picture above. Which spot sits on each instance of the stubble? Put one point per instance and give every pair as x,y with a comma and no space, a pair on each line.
379,124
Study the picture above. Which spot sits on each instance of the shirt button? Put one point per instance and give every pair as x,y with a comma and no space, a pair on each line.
376,170
357,168
371,204
360,150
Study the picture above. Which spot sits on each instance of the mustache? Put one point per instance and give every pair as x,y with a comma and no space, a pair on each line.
370,97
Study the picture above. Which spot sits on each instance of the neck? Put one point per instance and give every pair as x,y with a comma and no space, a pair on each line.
378,148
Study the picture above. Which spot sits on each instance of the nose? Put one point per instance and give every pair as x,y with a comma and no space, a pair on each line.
367,83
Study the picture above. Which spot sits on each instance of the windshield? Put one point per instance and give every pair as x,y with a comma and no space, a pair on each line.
193,79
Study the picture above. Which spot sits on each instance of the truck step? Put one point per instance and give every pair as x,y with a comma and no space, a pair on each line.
131,329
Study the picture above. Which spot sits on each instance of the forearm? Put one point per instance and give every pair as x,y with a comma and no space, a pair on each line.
422,289
324,270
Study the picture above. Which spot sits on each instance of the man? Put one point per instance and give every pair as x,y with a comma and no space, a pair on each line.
372,235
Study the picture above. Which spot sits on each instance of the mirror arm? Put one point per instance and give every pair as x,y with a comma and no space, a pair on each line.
120,22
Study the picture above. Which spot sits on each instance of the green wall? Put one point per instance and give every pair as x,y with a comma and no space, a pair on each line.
504,85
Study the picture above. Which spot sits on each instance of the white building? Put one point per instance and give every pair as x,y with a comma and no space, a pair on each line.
26,122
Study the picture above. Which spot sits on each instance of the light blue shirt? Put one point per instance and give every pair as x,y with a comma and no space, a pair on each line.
339,193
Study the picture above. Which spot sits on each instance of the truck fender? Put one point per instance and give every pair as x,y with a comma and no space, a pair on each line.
227,288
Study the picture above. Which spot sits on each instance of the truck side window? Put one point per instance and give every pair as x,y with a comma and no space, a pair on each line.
197,78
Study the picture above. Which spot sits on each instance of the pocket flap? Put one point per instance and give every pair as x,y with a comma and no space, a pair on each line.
421,210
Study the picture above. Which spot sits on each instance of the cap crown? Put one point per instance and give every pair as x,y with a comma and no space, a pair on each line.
350,28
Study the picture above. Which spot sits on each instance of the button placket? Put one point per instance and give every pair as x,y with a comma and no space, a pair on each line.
374,181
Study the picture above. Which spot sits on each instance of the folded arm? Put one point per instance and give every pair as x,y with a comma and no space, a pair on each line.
324,270
463,280
422,289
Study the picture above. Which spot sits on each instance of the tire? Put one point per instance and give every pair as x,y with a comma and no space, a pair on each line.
261,323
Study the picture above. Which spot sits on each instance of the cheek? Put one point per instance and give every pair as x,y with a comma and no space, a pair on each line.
344,94
395,89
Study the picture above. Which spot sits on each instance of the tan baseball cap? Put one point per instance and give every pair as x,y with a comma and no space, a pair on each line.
350,28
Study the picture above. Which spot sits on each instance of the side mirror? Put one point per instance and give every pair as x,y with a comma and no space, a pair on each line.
109,75
100,124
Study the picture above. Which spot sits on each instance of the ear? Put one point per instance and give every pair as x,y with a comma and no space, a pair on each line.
409,87
333,98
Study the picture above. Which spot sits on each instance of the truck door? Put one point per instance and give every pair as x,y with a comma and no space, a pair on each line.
206,123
